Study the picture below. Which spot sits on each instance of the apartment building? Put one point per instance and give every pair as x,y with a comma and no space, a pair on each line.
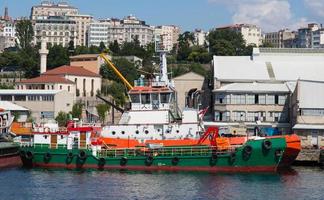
281,39
251,33
126,30
7,31
167,35
59,30
48,8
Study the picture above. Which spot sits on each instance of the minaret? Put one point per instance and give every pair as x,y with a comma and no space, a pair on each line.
6,14
43,56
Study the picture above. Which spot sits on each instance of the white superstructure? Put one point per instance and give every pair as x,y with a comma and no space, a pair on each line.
154,113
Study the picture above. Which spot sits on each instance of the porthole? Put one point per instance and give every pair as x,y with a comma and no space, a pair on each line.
177,131
123,132
137,132
146,131
113,132
168,131
159,130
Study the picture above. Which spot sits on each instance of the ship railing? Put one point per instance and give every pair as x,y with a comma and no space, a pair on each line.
163,152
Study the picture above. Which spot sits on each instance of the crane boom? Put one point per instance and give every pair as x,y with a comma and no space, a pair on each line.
114,68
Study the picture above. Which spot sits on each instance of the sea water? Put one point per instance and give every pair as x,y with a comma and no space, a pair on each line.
298,183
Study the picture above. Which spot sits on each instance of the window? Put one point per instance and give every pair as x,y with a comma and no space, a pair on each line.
60,87
222,98
312,112
250,99
256,116
6,98
135,98
238,116
262,98
282,99
33,98
69,88
238,99
145,98
165,97
20,97
48,98
276,99
270,99
222,116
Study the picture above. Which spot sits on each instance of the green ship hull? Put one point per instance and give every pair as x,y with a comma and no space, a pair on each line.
262,155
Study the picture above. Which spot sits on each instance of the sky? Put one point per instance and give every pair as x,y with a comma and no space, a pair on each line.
270,15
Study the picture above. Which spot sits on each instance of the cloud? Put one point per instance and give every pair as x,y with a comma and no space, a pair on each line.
316,6
270,15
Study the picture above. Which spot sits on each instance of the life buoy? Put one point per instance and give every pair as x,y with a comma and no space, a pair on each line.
267,145
82,155
29,155
175,161
47,157
247,151
123,161
101,162
149,160
70,155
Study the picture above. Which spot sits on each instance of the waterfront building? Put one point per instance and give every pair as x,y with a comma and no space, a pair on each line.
20,112
255,90
57,30
168,35
308,112
251,33
305,35
43,104
282,39
125,30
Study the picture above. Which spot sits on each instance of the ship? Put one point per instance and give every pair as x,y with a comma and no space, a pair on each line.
78,148
9,150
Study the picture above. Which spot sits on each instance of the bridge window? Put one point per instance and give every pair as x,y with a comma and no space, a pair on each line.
145,98
135,98
165,97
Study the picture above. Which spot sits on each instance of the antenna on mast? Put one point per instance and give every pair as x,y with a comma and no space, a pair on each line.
160,48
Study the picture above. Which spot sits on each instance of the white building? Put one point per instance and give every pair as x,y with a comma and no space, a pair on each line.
82,26
318,38
125,30
55,30
7,32
251,33
308,112
48,10
98,32
255,91
168,36
43,104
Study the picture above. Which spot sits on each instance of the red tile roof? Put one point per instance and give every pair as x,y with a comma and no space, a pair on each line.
71,70
47,79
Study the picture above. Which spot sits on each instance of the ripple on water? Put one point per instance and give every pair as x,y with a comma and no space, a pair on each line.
302,183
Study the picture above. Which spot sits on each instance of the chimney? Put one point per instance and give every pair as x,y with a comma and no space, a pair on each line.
43,56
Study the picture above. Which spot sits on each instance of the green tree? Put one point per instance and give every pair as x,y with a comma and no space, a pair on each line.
102,47
77,110
24,33
116,91
62,118
114,48
102,110
57,56
226,42
126,68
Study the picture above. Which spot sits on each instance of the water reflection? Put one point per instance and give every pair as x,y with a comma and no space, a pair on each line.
300,183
